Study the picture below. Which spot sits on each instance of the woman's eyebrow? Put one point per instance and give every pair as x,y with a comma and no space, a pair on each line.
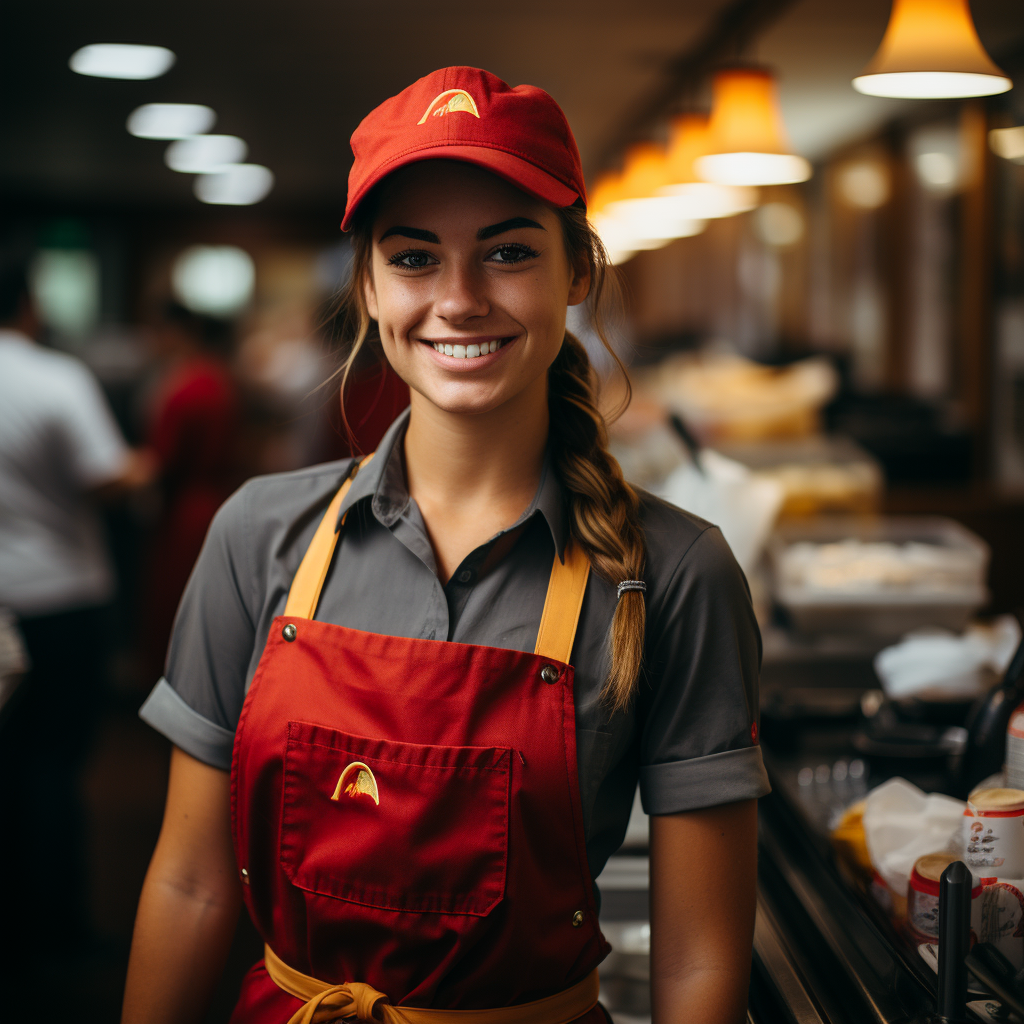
417,233
508,225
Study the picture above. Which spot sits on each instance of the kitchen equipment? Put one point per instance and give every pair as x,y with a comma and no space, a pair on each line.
988,725
820,475
883,576
954,926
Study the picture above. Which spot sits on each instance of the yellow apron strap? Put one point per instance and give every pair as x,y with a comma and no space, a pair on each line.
323,1002
304,595
562,606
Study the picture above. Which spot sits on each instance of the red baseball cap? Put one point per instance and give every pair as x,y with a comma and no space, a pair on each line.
470,115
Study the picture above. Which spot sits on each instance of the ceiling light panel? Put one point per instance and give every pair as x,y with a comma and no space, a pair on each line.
204,154
170,120
240,185
121,60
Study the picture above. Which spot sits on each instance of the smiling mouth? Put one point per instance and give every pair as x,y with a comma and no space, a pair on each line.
471,351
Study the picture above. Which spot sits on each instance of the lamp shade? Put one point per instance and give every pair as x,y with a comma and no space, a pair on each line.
690,139
645,170
931,50
748,138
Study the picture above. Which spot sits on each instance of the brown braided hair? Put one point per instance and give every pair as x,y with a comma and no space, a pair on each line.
604,510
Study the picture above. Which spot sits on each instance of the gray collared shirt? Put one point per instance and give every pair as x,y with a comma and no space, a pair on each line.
690,735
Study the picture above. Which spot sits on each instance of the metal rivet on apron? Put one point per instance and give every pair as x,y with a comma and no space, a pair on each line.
245,876
549,674
290,632
577,919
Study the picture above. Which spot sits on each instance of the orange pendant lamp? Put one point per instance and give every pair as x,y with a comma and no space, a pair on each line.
931,50
748,138
690,139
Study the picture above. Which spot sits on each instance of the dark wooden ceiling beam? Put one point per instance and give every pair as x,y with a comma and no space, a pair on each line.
726,39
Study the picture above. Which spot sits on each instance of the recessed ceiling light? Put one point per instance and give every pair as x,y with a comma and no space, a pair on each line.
202,154
241,185
121,60
170,120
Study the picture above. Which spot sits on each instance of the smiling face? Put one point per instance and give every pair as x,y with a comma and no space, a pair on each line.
469,286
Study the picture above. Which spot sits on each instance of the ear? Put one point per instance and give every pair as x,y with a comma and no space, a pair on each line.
579,287
370,295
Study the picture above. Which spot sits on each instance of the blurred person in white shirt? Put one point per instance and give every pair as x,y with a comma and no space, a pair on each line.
60,453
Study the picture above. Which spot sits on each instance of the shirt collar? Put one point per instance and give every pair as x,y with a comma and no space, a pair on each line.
383,483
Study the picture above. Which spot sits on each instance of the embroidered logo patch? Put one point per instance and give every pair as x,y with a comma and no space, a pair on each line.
455,101
358,783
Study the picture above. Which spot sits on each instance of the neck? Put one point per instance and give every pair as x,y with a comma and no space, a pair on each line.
487,464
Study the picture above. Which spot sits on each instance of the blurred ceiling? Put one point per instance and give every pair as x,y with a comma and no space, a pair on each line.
293,79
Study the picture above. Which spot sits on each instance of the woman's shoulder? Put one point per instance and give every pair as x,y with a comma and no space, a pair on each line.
279,502
683,551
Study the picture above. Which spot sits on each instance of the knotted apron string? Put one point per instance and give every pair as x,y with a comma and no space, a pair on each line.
363,1002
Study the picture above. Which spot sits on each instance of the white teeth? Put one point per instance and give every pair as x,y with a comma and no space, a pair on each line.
468,351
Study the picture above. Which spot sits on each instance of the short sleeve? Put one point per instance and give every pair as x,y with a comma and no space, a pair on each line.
699,740
197,703
96,450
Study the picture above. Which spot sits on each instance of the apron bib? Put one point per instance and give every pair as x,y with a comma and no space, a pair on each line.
406,813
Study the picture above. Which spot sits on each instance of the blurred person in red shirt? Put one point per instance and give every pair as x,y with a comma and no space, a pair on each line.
193,426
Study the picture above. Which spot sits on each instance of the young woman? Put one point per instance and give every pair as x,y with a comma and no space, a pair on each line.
436,675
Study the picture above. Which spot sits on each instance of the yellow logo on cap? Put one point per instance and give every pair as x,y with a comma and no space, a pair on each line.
460,101
357,781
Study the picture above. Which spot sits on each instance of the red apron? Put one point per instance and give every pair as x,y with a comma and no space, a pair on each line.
406,813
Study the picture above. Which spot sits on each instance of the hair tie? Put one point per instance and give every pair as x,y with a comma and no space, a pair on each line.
630,585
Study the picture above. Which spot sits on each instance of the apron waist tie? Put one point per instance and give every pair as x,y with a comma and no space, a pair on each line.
325,1002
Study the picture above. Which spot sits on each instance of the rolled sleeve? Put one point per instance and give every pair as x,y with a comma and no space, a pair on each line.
699,741
206,741
197,703
703,781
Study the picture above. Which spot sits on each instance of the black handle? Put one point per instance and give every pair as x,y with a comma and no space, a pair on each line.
954,938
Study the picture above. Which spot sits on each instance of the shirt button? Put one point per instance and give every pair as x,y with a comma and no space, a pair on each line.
577,919
465,576
549,674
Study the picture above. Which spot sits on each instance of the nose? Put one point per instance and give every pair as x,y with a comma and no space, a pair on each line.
461,294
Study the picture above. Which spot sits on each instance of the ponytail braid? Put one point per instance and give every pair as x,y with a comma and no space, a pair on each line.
604,511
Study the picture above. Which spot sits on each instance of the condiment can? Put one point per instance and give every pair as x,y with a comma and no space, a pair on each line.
997,916
923,895
1015,749
994,833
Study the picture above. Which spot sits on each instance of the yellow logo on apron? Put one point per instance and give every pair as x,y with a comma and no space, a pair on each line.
357,781
460,102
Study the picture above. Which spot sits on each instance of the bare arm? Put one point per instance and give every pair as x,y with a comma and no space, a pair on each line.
703,896
189,904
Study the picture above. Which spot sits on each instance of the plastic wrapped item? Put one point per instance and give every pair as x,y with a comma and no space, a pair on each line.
727,494
902,823
885,576
941,665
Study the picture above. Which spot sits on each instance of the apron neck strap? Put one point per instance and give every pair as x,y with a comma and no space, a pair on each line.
304,595
562,605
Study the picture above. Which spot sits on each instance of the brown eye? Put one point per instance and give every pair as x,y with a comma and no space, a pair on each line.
412,259
512,252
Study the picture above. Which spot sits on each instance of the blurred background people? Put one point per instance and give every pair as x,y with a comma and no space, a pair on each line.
60,454
192,431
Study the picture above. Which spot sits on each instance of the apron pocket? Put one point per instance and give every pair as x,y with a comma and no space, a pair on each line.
399,826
